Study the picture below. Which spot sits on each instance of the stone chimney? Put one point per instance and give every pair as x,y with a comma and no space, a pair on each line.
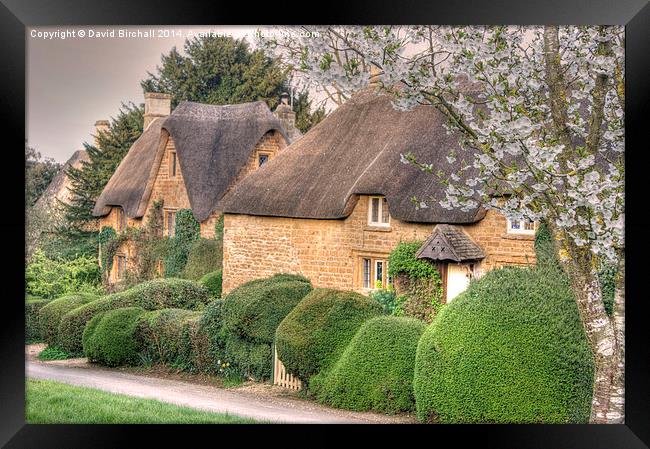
375,76
156,105
101,126
287,117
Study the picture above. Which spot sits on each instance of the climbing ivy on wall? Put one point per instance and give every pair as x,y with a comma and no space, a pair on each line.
417,282
186,231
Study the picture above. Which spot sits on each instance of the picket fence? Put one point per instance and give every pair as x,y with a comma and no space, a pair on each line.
280,375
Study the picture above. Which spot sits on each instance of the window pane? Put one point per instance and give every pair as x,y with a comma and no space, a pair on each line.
379,274
172,163
366,273
384,211
374,217
515,224
262,159
529,225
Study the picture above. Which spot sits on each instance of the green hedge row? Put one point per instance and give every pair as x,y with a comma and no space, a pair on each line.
51,315
510,349
33,305
151,295
375,372
109,337
212,281
314,334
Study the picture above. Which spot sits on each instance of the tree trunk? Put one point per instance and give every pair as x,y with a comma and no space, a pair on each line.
603,333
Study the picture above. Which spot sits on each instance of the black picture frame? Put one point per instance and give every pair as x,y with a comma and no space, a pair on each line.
16,15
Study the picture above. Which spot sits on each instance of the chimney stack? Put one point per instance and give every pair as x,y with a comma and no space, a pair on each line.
287,117
101,126
156,105
375,76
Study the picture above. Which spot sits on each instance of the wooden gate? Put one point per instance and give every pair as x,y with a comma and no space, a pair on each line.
280,375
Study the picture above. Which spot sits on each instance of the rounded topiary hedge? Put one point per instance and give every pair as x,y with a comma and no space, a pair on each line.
109,338
151,295
160,335
33,306
212,281
250,315
52,313
211,325
375,372
315,333
254,310
510,349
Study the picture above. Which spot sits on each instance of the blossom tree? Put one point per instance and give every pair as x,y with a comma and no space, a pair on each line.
540,115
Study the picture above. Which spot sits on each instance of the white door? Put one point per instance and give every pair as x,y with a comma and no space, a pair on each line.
458,276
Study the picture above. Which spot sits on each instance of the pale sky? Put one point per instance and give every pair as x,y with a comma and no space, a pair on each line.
73,82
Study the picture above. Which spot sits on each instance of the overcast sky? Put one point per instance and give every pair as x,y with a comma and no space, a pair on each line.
73,82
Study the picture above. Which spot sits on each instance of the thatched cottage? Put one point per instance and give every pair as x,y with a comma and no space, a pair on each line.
333,205
189,159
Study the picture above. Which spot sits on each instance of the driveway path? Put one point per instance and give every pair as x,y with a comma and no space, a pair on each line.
213,399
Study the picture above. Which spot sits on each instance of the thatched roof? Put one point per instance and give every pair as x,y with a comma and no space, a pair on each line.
448,242
128,185
355,151
213,144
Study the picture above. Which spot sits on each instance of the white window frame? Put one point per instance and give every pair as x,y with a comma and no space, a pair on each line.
521,230
379,212
373,262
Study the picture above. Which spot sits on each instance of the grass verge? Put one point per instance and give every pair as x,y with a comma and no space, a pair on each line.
49,402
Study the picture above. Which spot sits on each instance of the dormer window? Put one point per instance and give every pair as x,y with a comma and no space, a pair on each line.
524,226
378,212
172,164
262,158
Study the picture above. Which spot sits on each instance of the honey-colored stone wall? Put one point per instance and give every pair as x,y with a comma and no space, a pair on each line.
328,251
271,144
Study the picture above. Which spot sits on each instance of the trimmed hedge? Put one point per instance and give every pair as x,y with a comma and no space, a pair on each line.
205,256
160,336
212,281
33,305
109,338
52,313
151,295
211,325
510,349
375,371
251,313
314,334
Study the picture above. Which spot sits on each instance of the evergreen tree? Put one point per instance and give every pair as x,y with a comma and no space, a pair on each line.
224,70
305,118
39,172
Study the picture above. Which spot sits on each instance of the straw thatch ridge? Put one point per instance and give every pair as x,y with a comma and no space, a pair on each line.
128,185
356,151
448,242
213,144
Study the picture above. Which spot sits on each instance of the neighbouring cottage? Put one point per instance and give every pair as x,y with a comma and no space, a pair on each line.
189,159
333,205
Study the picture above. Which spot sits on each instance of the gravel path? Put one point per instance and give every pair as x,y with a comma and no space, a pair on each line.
204,397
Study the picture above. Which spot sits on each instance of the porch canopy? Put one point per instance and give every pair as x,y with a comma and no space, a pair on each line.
449,243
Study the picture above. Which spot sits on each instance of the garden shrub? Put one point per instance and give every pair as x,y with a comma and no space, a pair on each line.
314,334
375,372
52,313
33,305
212,281
160,335
510,349
251,313
151,295
109,338
186,231
211,325
52,278
388,300
417,283
205,256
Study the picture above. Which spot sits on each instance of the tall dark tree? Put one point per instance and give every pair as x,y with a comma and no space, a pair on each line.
39,172
224,70
305,117
88,181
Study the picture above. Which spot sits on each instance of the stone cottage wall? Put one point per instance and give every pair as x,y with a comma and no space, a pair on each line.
328,251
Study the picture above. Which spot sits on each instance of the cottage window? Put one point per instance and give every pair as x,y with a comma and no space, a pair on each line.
374,273
121,220
378,211
524,226
121,265
262,159
170,222
172,164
